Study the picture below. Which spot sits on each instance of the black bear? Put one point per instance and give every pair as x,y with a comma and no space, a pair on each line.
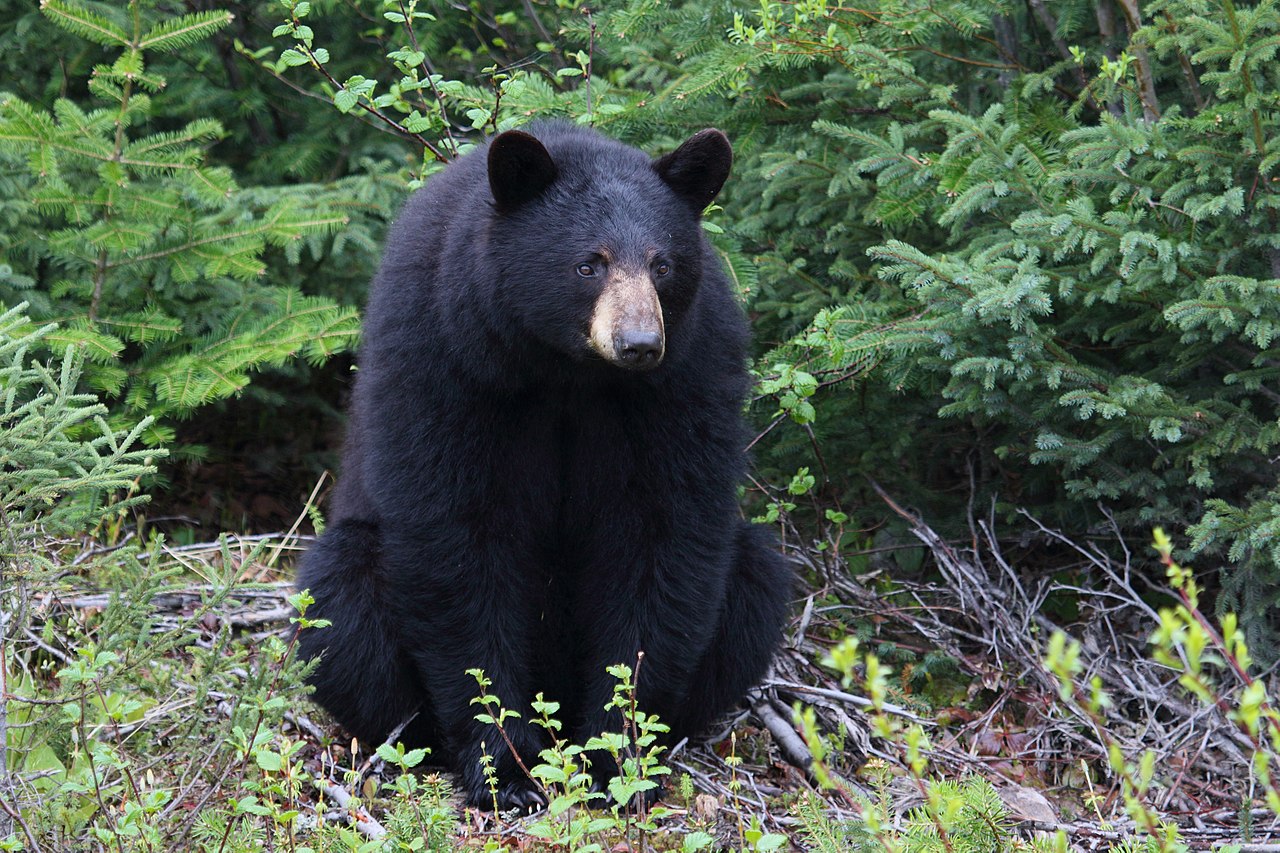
541,467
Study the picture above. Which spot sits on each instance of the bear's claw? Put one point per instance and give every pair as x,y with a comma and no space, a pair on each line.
520,796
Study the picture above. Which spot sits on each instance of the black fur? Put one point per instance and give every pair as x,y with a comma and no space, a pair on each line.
512,501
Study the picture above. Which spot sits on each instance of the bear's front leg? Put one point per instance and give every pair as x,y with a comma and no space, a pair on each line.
468,602
662,596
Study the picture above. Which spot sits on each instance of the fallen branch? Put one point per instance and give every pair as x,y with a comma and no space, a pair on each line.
364,822
790,744
849,698
988,613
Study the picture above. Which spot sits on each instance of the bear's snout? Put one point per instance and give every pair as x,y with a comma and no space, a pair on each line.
626,326
638,349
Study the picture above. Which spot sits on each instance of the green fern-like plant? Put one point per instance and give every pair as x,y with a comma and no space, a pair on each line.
821,832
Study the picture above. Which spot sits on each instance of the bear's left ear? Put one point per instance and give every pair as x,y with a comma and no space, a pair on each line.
698,168
520,169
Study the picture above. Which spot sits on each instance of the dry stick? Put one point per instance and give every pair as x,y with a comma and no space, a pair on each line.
6,781
779,419
849,698
190,778
374,762
998,591
176,598
364,822
97,552
216,544
297,522
1002,603
260,617
304,724
14,814
790,744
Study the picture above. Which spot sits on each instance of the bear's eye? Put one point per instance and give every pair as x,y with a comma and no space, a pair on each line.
586,270
662,269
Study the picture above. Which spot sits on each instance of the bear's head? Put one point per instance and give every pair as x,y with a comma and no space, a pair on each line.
601,248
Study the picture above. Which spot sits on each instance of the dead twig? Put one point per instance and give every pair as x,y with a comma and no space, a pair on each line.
790,744
358,817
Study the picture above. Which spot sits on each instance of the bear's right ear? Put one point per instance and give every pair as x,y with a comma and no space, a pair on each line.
520,169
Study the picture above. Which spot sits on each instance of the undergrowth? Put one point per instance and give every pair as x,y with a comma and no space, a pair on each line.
151,703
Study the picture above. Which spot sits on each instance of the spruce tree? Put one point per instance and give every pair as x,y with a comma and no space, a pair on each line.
152,259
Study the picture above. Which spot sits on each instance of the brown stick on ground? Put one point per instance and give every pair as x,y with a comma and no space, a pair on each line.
364,822
790,744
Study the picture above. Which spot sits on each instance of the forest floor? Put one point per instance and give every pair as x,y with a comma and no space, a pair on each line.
965,646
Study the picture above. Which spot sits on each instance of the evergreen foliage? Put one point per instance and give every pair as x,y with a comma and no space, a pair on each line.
59,458
63,470
151,257
1032,251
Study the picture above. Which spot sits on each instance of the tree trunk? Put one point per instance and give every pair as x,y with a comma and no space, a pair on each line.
1146,84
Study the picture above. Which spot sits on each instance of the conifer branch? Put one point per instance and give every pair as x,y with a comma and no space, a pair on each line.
181,32
81,21
266,227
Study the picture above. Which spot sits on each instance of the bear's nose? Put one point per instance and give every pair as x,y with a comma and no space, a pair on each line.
639,349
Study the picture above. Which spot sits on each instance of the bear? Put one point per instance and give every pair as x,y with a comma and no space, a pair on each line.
540,475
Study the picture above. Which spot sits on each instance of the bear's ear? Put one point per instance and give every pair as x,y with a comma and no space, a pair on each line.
698,168
520,169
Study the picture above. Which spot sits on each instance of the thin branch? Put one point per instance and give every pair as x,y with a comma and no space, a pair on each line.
357,815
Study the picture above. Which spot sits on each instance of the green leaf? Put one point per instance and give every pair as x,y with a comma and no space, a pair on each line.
345,100
292,58
771,841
